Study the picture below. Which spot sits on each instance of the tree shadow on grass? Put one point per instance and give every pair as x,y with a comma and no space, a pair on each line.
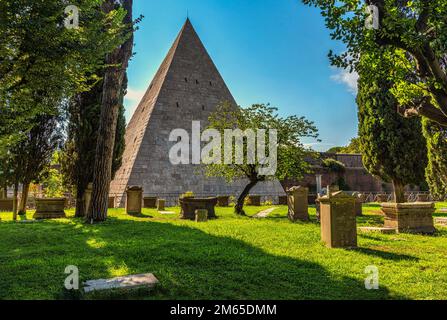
190,263
387,255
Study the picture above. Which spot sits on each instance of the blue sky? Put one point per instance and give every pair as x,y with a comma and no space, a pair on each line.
268,51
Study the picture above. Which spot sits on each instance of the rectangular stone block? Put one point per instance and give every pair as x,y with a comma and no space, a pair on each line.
297,200
128,282
150,202
6,205
134,200
338,220
410,217
50,208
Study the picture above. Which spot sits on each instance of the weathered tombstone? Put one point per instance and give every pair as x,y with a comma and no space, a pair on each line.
50,208
338,220
201,215
161,204
134,200
223,201
410,217
6,205
150,202
298,205
111,203
88,197
254,201
282,200
190,205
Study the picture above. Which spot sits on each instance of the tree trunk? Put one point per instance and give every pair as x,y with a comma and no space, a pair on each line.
24,198
399,192
239,208
14,203
80,201
113,80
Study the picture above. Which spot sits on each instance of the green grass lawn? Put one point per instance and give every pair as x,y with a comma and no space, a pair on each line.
227,258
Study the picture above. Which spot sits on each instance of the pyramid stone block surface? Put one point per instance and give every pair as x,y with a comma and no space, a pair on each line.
187,87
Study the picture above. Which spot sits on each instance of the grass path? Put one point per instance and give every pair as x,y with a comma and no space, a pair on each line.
227,258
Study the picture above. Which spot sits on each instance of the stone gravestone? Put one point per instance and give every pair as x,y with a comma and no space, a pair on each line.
359,200
150,202
50,208
254,201
134,200
201,215
338,220
161,204
298,205
410,217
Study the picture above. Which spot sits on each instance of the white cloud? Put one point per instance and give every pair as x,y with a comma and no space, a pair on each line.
347,78
131,101
134,95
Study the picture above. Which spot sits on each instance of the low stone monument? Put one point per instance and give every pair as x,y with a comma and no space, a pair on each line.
161,204
6,205
298,205
134,200
111,203
150,202
201,215
223,201
254,201
414,217
338,220
50,208
190,205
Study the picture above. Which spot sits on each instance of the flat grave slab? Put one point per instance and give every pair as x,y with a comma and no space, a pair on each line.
443,210
441,221
265,213
147,280
377,229
166,212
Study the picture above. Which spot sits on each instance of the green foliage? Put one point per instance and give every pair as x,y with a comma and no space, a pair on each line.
43,64
436,172
53,180
291,151
188,194
333,166
352,148
415,35
393,147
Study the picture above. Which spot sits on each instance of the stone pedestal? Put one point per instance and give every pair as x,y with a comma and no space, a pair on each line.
414,217
201,215
254,201
298,205
359,200
190,205
150,202
161,204
6,205
338,220
50,208
223,201
111,202
134,200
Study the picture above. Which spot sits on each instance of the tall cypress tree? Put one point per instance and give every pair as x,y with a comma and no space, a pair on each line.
79,151
393,147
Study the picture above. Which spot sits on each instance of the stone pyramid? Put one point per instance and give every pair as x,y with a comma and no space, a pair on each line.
187,87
